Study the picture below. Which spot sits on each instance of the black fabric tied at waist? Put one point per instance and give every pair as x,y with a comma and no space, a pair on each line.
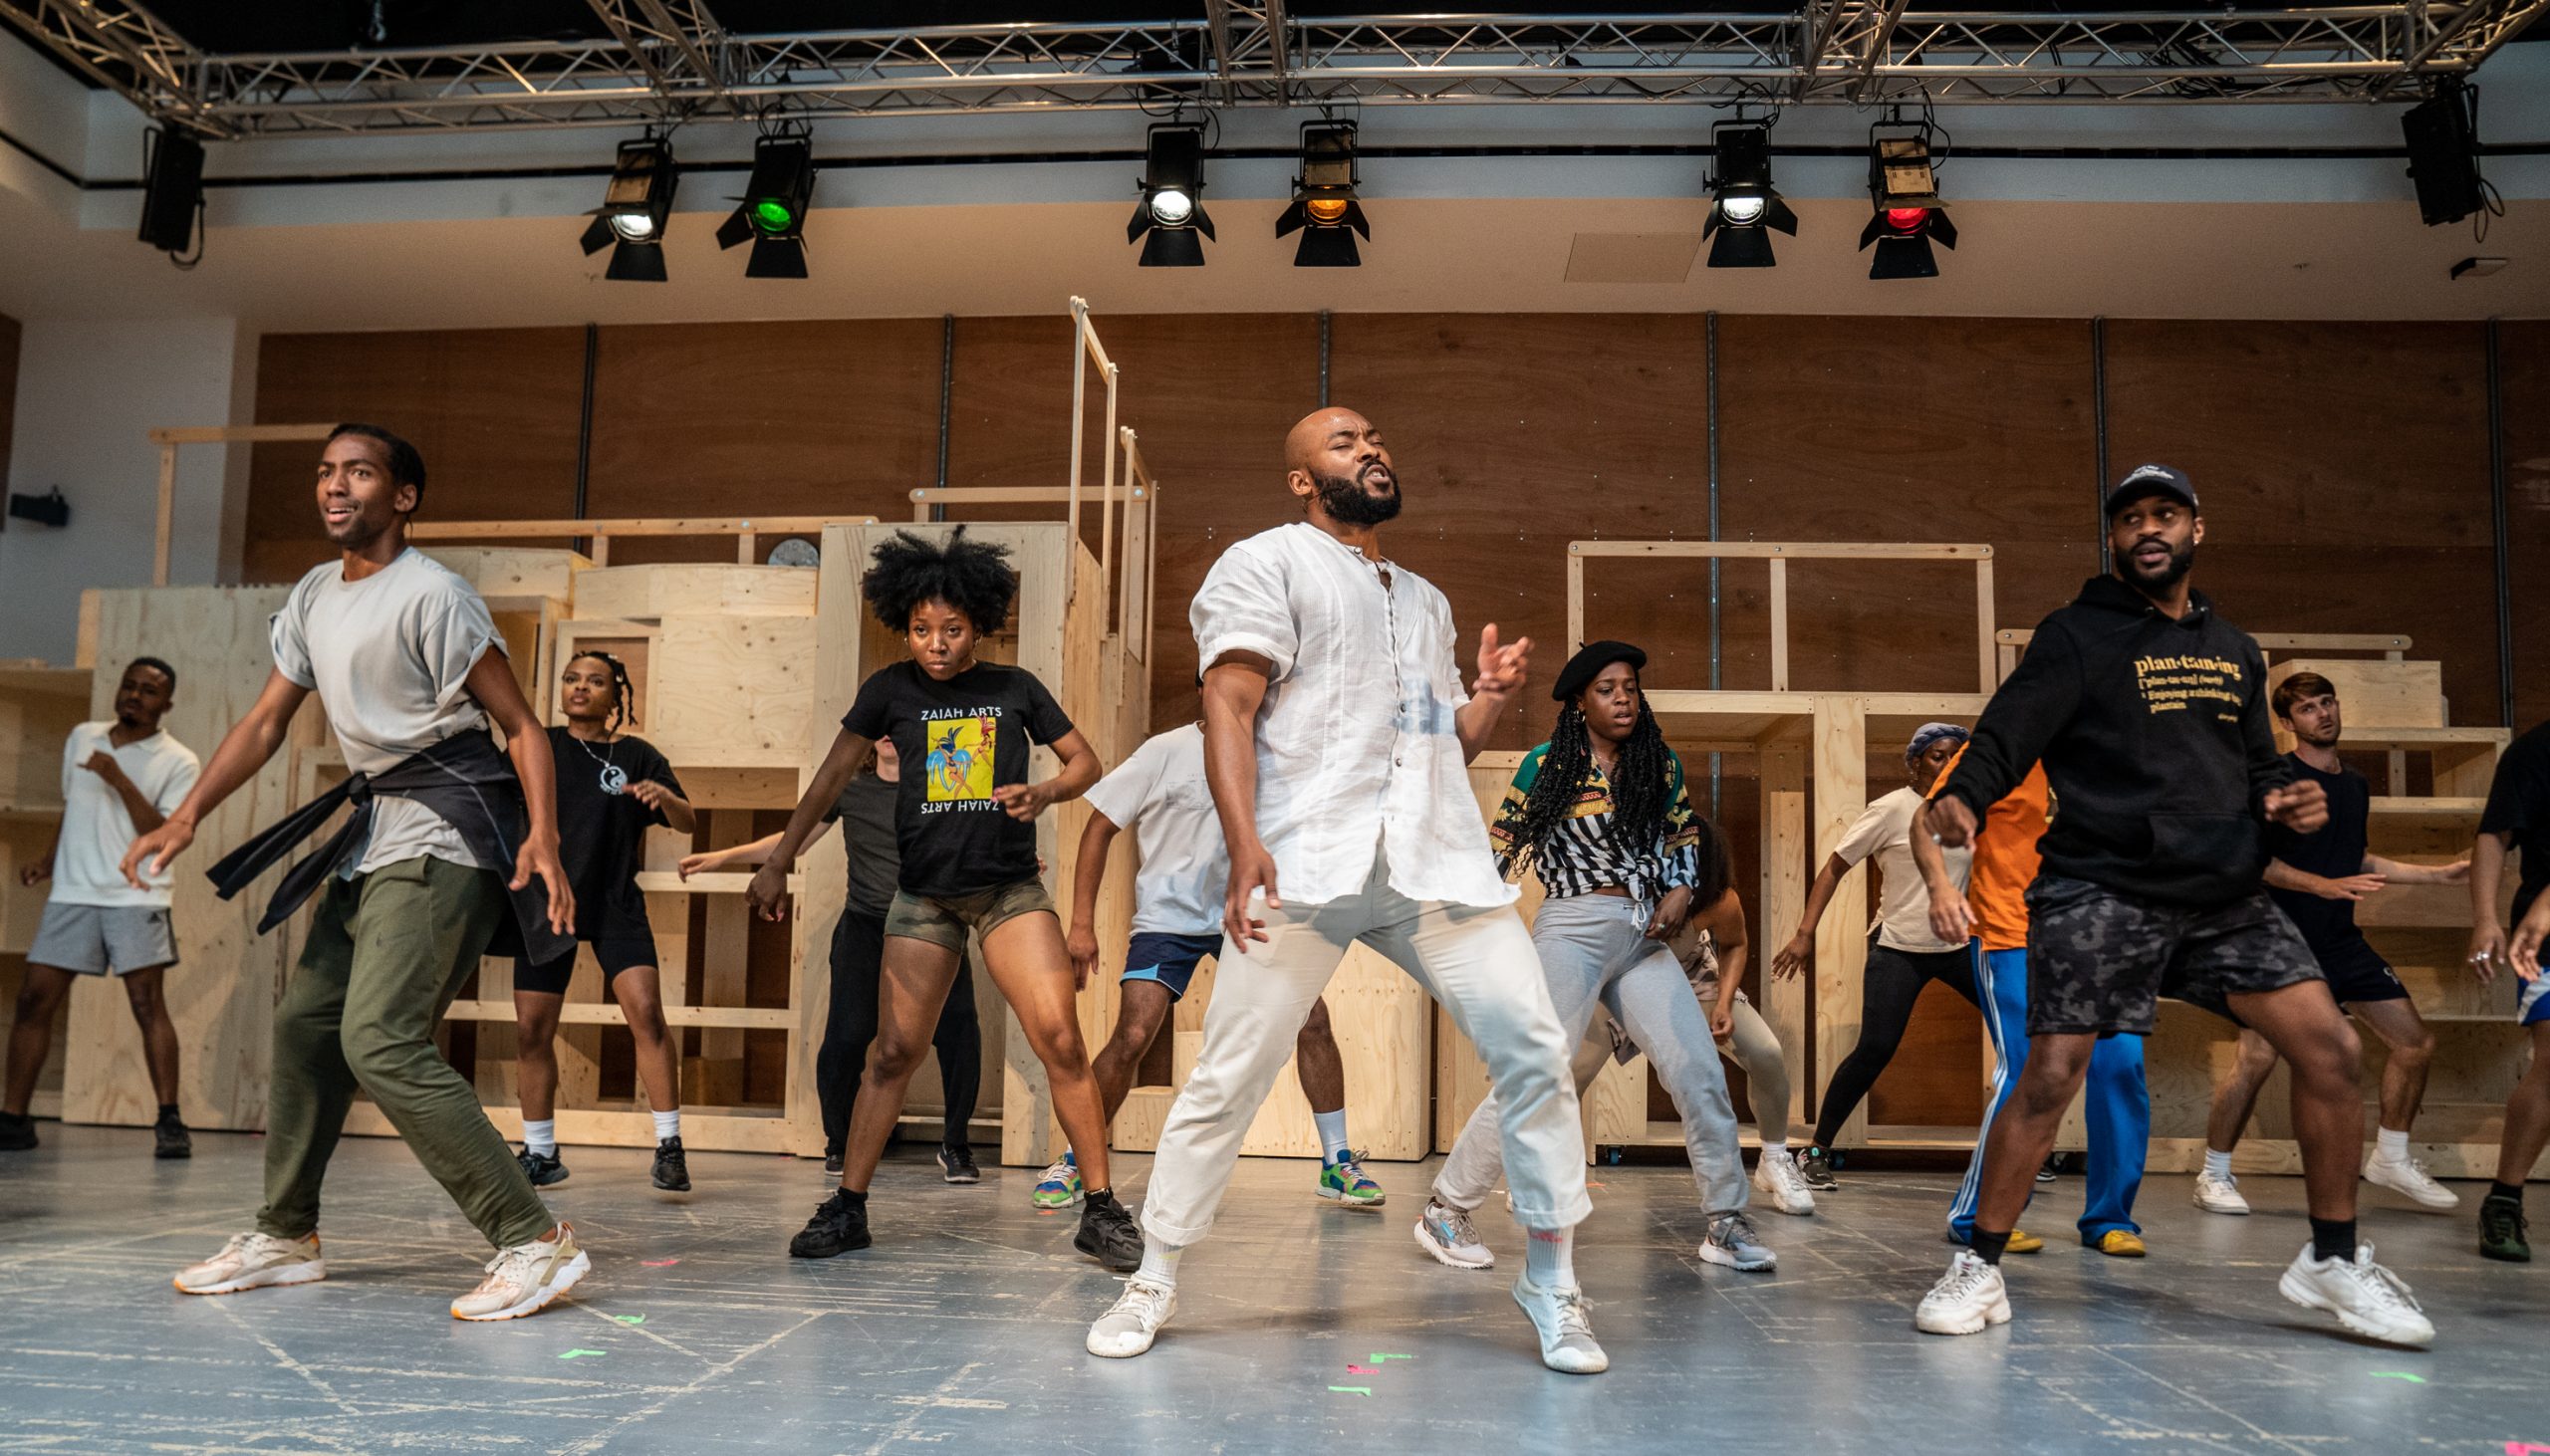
464,779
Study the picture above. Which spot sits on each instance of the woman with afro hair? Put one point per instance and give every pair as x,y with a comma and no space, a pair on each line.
965,820
1601,814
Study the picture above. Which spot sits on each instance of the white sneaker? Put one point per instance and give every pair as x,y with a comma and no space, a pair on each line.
1968,1298
1448,1235
254,1261
2408,1176
1566,1327
1734,1242
1777,1177
523,1279
1126,1329
2219,1195
2367,1298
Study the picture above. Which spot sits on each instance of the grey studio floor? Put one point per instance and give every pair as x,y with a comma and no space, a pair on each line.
962,1329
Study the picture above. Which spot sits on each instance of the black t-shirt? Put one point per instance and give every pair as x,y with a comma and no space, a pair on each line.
866,810
958,740
600,832
2334,850
2519,808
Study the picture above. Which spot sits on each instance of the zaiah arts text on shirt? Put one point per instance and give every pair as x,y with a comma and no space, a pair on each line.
2169,684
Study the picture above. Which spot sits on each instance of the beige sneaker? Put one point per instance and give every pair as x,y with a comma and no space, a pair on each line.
523,1279
254,1261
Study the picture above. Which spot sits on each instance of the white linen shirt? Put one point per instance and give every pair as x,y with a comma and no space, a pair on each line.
1357,746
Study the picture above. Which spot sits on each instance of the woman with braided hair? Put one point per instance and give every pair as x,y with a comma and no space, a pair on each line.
612,789
965,823
1600,813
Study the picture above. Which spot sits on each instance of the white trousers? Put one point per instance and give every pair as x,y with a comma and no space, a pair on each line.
1479,963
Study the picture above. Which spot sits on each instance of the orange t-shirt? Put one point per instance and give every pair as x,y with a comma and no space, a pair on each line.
2005,858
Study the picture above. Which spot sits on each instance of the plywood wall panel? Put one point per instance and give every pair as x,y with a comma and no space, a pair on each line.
495,412
2524,355
2344,471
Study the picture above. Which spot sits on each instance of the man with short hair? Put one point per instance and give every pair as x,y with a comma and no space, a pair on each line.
2150,714
450,855
1337,735
119,777
2317,880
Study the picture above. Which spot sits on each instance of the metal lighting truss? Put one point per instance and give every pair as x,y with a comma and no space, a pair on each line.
668,61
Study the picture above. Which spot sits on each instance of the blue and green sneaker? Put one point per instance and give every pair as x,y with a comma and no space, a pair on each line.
1345,1181
1060,1187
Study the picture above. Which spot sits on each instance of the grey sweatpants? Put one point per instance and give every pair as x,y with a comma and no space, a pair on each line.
1593,949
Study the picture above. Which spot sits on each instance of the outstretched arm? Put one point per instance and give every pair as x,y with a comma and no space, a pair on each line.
1501,672
768,894
1790,958
244,750
491,682
1089,875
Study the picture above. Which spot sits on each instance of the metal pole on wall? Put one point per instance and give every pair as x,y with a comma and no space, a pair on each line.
2099,423
1717,763
946,402
585,432
2497,513
1323,357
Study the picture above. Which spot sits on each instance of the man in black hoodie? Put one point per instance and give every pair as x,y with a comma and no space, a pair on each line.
2151,715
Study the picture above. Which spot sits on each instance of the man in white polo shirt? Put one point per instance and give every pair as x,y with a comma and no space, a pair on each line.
1337,737
119,780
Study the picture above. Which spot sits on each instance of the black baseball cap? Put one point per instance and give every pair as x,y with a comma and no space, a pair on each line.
2151,480
1590,660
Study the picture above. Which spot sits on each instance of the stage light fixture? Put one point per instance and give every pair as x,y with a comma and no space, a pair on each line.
2442,133
172,194
635,207
1324,208
1909,216
1172,211
1744,207
771,215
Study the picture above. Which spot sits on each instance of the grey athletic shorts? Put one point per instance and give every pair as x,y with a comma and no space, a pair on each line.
93,940
2100,961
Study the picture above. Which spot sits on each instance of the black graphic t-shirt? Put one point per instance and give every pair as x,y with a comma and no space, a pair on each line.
601,834
958,739
2334,850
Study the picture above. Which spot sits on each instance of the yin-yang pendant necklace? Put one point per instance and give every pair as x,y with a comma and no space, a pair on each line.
614,778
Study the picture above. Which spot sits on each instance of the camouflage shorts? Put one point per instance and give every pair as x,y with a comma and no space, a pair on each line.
2098,961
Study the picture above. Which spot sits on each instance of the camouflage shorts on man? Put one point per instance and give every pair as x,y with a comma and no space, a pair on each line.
2098,961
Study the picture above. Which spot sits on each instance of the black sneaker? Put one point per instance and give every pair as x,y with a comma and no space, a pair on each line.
956,1164
832,1164
17,1133
2046,1173
672,1170
1108,1233
2501,1230
1816,1166
840,1225
542,1168
169,1139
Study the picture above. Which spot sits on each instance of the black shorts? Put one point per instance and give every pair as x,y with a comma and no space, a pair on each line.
616,952
2357,972
2098,961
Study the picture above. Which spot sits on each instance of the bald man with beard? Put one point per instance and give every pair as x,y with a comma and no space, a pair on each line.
1337,738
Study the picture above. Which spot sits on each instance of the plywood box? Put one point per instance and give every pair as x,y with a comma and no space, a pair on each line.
650,593
2373,693
510,572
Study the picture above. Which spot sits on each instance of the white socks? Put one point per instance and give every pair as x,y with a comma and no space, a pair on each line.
1549,1258
1159,1263
669,1125
2392,1145
541,1137
2217,1164
1331,1134
1776,1150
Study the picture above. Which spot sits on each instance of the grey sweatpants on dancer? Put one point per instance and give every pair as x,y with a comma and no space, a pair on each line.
1594,948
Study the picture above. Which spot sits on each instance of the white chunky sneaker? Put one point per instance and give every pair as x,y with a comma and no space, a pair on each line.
1777,1177
1968,1298
2408,1176
1448,1235
2219,1195
1126,1329
1566,1328
254,1261
2367,1298
523,1279
1734,1242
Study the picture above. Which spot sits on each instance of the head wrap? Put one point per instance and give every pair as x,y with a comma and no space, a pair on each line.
1930,733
